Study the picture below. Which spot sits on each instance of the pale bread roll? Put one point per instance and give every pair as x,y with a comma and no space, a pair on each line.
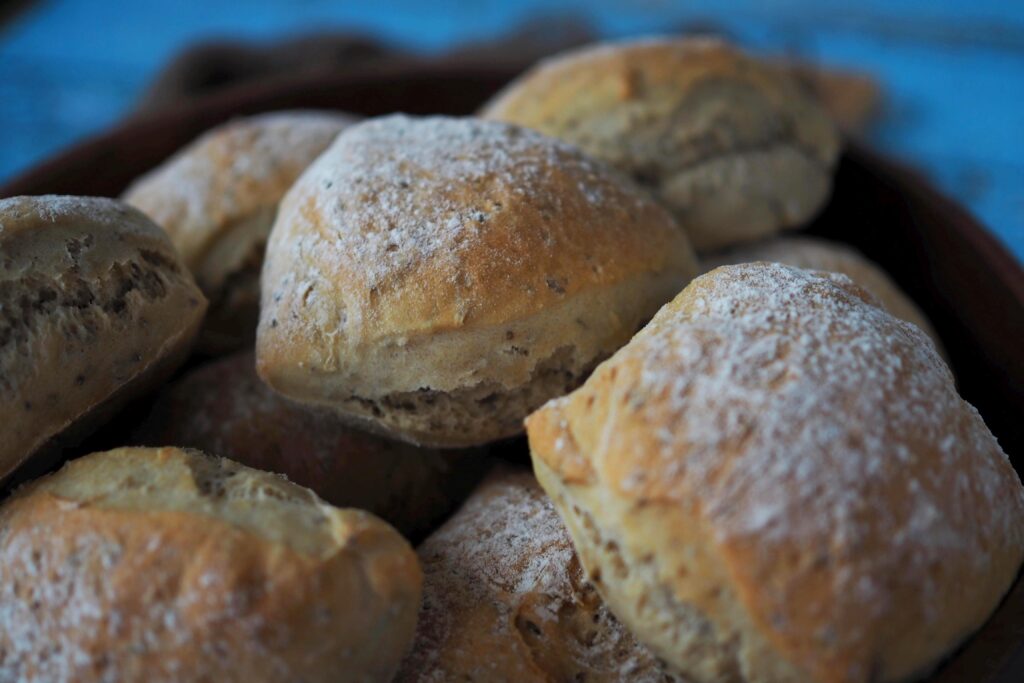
95,307
436,279
168,565
818,254
217,198
777,481
854,99
505,599
223,409
736,147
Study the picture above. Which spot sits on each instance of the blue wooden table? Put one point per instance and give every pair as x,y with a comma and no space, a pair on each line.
953,72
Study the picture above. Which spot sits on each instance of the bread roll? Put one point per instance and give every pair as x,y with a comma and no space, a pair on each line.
217,198
224,409
505,599
95,306
777,481
167,565
854,99
818,254
736,147
436,279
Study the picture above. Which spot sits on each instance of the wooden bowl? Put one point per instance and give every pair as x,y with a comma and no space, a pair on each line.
967,283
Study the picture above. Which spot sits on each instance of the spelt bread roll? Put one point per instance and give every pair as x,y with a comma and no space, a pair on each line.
818,254
777,481
217,198
505,599
436,279
854,99
169,565
95,307
224,409
734,146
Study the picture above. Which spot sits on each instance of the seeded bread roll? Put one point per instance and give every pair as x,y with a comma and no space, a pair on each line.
95,307
169,565
853,99
818,254
505,599
217,198
224,409
436,279
734,146
777,481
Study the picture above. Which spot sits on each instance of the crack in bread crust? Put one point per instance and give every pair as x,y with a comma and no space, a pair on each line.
652,182
427,415
26,305
684,146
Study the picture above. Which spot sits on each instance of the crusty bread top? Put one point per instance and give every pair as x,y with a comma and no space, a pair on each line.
175,480
733,146
87,255
818,254
411,227
229,173
101,218
859,503
593,95
169,565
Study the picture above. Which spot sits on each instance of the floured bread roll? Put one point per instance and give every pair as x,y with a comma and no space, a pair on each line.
819,254
505,599
217,198
777,481
439,278
224,409
168,565
735,146
95,307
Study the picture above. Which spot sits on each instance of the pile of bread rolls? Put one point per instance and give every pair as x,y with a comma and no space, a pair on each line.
760,474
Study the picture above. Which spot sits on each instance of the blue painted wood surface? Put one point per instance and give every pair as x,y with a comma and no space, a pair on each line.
953,72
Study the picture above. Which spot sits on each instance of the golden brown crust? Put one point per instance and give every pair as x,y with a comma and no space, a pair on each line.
224,409
217,198
776,481
165,565
94,305
734,146
818,254
439,255
505,599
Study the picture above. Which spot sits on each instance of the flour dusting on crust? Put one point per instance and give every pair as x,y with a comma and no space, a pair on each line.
776,355
841,477
506,561
391,193
231,172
